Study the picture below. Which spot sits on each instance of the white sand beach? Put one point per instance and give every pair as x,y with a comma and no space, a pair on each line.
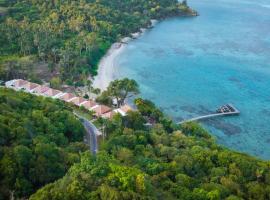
107,68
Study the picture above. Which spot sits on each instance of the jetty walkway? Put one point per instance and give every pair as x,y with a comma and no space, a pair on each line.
225,110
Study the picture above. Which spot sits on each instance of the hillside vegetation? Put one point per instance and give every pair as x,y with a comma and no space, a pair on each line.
143,155
39,140
162,162
41,145
70,36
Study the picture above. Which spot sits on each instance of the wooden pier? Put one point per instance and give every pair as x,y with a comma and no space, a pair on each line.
225,110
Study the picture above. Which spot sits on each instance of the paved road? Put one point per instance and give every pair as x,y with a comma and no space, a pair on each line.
92,133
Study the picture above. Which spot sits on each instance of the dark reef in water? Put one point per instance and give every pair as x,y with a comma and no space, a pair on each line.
227,128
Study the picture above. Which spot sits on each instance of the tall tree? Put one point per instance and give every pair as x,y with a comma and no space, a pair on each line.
121,89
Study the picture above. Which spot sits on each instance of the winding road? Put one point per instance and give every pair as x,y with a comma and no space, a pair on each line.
92,133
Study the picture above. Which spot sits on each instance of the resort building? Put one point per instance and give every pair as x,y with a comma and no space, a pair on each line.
67,97
100,110
88,104
59,95
16,84
109,115
10,84
51,93
77,100
20,83
123,110
40,89
29,87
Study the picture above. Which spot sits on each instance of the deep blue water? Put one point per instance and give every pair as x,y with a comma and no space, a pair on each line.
191,66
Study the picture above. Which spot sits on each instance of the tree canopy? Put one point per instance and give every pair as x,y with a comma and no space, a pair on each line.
138,162
144,155
70,36
121,89
39,140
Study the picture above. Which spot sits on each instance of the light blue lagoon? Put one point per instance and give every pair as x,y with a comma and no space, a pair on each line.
191,66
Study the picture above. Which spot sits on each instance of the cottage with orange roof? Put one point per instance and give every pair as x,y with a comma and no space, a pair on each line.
109,115
16,84
29,87
124,109
77,100
10,83
20,83
67,96
88,104
100,110
40,89
51,93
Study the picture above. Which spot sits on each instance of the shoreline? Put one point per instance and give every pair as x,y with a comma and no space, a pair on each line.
107,67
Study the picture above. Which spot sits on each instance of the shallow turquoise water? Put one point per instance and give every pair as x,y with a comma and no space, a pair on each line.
191,66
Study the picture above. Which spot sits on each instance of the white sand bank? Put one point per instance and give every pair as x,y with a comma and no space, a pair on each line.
107,68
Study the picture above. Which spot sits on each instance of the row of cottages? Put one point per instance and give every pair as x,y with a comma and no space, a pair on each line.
99,110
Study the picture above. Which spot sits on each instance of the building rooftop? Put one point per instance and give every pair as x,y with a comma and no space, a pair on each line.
40,89
51,92
125,108
30,86
101,109
78,100
89,104
67,96
19,83
109,115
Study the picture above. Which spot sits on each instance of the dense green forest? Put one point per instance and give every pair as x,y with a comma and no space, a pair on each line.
39,140
69,37
41,145
160,162
42,154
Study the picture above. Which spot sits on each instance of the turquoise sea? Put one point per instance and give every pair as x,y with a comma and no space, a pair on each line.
191,66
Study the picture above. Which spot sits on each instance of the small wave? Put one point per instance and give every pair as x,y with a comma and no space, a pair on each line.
265,5
252,3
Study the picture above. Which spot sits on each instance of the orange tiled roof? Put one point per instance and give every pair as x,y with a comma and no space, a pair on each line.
41,89
20,83
109,115
89,104
78,100
101,109
126,108
67,96
51,92
30,86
